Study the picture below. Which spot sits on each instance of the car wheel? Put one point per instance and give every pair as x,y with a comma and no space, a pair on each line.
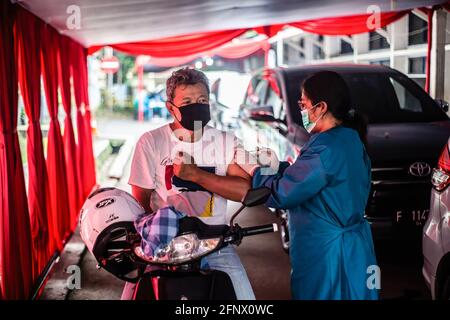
445,293
284,231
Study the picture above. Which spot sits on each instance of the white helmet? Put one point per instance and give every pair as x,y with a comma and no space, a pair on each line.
107,228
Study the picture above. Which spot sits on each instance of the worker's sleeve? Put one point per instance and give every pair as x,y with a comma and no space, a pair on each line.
297,183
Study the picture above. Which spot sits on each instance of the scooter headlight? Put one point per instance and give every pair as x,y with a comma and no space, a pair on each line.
185,248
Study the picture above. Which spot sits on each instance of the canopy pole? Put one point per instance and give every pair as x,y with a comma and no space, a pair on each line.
429,13
140,74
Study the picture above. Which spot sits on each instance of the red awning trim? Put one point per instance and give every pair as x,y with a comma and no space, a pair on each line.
201,43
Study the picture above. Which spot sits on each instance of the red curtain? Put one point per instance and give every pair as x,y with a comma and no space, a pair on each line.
15,234
177,46
346,25
70,148
56,165
28,44
91,179
85,156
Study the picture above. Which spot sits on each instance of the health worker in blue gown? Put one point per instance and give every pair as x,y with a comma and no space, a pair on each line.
325,192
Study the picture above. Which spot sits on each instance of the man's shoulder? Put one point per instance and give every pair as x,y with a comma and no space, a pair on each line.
154,135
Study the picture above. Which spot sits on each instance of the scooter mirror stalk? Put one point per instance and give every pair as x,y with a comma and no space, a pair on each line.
254,197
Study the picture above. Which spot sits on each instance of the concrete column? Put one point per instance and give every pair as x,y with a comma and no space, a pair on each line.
360,45
437,73
332,46
309,49
280,52
398,40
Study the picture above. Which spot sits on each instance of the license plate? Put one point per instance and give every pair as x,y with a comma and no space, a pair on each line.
416,217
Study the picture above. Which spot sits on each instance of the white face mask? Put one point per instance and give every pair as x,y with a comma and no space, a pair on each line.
307,124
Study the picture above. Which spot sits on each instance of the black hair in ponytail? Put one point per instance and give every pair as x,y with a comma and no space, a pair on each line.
329,87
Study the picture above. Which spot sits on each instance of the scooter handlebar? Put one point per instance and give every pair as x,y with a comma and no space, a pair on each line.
237,233
266,228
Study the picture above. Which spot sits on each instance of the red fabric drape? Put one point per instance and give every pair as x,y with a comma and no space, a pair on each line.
55,154
15,235
79,119
201,43
229,51
346,25
170,62
70,148
242,49
85,149
91,179
270,31
28,44
177,46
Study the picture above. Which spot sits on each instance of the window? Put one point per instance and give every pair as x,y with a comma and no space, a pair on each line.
406,100
417,65
380,97
385,62
318,53
418,30
256,92
346,47
261,90
390,98
377,41
276,103
420,82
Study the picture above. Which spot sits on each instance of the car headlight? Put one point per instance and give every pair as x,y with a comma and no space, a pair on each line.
184,248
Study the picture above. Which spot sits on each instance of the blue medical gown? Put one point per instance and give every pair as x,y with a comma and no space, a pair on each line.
325,191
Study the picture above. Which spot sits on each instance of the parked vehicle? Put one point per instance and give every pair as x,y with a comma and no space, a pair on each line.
406,131
173,272
227,91
436,232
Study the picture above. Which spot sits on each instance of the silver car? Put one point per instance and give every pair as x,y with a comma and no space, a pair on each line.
436,232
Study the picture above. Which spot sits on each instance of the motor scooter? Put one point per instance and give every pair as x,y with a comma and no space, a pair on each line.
174,272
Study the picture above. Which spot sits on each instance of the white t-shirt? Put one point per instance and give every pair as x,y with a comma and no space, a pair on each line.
151,168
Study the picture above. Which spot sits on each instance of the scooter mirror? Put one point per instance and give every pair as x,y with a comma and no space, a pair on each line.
256,196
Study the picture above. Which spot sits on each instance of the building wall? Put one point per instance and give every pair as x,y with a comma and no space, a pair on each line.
400,53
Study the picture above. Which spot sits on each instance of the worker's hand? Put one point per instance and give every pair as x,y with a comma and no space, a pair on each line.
268,160
264,158
184,166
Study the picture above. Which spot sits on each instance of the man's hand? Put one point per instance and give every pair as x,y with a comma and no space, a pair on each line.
184,167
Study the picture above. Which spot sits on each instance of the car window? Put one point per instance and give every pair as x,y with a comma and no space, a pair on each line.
406,100
373,96
256,92
388,98
276,103
380,97
261,90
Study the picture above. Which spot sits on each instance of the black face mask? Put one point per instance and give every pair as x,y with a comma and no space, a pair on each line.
194,112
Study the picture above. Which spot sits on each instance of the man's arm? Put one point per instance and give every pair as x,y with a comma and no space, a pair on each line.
143,197
233,186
